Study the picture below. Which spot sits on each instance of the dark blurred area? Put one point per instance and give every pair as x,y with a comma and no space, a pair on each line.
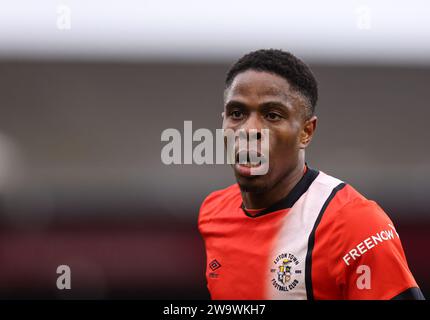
82,183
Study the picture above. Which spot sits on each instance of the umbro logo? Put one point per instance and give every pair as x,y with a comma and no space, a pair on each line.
214,264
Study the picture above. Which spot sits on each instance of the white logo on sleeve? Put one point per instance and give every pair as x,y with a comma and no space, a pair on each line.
370,243
364,280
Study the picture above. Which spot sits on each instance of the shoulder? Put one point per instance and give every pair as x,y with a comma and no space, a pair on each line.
345,203
362,240
352,211
350,218
221,195
216,199
371,262
351,215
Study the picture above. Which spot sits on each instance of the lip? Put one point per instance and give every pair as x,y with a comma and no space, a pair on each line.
247,170
248,151
243,170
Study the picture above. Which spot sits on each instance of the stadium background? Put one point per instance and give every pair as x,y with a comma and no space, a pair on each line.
82,110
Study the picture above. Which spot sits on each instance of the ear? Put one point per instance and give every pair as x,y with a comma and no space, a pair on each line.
308,131
222,114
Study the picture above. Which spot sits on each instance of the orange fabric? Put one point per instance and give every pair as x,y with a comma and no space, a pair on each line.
240,245
350,221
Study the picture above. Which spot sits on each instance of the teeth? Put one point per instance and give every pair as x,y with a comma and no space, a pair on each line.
249,165
247,161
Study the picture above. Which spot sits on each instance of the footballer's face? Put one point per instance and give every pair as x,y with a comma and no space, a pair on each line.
260,100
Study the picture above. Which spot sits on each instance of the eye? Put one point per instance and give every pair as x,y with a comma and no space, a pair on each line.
273,116
236,114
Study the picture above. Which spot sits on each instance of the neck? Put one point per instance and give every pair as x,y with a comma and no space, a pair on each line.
260,200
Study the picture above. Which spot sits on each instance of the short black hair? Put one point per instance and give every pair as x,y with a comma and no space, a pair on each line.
283,64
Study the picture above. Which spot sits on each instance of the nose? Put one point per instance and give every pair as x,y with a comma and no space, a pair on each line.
253,126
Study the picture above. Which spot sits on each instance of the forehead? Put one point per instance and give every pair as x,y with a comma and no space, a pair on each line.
259,85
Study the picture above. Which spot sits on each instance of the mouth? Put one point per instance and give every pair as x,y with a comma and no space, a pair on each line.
249,162
249,158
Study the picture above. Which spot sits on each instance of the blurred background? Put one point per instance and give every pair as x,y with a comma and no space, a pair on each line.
87,87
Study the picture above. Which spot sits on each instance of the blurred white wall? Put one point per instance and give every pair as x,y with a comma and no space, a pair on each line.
333,31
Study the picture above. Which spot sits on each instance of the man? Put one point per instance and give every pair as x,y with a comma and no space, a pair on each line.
294,232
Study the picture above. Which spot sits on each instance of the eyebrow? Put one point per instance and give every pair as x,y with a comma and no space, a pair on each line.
267,104
235,103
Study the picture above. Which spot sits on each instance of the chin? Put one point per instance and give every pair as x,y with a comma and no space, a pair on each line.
255,184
